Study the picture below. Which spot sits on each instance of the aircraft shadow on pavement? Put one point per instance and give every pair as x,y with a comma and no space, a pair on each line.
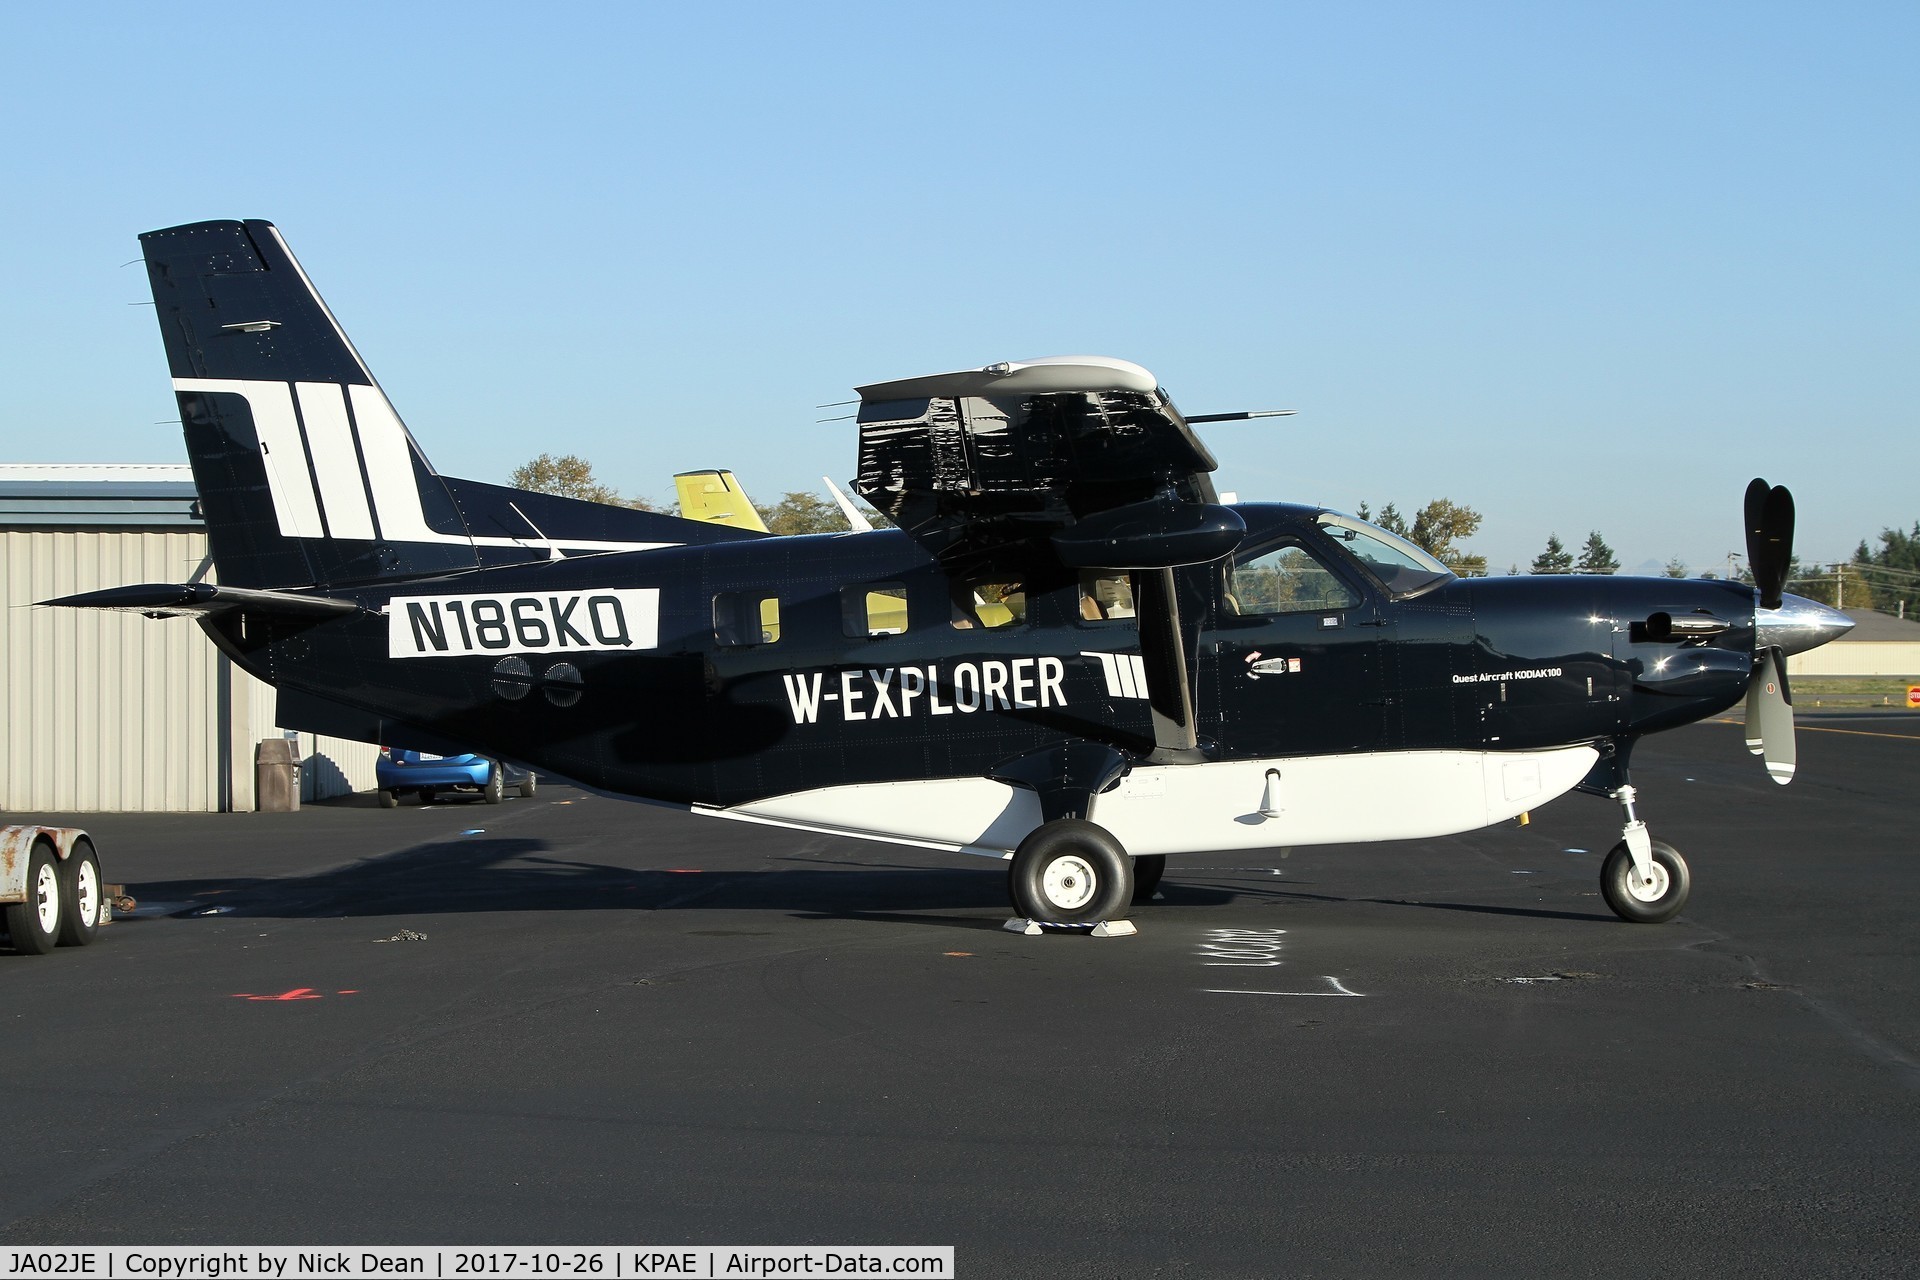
516,874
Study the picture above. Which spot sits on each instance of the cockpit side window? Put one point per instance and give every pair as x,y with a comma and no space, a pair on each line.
1401,567
1286,579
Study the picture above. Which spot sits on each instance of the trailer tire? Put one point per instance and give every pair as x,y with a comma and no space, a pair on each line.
34,925
82,897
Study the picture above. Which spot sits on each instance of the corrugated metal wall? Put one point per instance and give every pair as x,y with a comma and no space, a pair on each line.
1858,658
108,711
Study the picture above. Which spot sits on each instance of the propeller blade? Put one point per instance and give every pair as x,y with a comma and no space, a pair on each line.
1770,715
1769,512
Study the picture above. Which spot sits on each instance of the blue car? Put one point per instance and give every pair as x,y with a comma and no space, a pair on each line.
399,772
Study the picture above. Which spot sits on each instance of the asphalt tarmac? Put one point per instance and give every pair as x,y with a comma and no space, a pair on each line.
603,1023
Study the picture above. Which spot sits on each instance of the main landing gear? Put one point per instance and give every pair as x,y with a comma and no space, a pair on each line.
1644,880
1070,873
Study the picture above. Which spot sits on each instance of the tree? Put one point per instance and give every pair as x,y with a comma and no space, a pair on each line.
1436,529
1555,559
1676,568
570,476
1438,526
1596,556
1893,570
1842,585
798,512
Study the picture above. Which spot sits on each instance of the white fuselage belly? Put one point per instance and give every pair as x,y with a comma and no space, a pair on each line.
1391,795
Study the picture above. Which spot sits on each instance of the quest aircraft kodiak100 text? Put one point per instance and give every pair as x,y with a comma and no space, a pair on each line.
1069,653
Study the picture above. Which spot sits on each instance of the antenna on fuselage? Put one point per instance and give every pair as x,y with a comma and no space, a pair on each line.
1240,417
553,551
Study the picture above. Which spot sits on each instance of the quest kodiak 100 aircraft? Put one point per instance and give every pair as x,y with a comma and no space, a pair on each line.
1069,654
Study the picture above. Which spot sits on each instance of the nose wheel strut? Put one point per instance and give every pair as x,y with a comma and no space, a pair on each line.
1644,880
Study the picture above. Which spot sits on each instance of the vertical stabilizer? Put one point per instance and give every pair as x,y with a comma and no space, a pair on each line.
715,497
306,474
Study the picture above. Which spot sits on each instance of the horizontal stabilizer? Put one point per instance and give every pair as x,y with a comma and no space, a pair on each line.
173,600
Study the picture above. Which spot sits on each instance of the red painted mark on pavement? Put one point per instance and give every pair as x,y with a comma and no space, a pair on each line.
684,871
298,993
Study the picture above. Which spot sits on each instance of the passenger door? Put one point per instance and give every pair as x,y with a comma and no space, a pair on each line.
1296,649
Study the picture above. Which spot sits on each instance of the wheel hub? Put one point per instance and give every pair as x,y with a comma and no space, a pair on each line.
87,893
1069,882
46,891
1651,889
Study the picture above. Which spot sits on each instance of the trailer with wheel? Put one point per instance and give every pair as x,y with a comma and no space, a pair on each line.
51,893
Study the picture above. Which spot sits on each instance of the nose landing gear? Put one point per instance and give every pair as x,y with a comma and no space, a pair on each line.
1644,880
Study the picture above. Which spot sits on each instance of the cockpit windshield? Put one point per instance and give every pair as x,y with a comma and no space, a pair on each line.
1402,568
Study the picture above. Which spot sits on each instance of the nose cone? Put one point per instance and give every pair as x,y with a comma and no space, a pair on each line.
1800,624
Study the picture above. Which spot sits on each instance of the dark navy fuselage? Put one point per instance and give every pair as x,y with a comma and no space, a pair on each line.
701,717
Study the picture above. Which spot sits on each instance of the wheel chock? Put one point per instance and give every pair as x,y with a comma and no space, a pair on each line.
1105,929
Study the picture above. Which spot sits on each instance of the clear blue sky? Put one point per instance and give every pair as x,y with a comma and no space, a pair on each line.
1578,266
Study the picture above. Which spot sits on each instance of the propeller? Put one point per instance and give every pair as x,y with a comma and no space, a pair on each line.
1769,539
1769,701
1770,714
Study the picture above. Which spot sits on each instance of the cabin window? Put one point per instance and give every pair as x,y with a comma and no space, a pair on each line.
988,605
874,609
746,617
1287,579
1106,597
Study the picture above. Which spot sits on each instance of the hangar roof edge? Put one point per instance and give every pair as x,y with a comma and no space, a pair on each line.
95,496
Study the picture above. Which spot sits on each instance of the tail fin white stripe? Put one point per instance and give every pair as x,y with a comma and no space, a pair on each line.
294,505
336,463
383,442
390,468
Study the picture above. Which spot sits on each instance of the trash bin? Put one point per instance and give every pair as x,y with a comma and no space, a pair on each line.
276,776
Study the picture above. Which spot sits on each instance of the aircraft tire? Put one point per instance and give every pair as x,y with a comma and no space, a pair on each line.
388,797
34,925
1147,870
527,788
80,895
496,789
1071,872
1645,905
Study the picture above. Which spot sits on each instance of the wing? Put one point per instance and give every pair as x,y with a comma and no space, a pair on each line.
1080,459
980,459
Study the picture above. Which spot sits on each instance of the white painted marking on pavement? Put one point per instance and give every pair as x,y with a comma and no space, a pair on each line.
1339,990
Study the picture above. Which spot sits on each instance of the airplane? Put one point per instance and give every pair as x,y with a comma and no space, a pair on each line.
1068,654
716,497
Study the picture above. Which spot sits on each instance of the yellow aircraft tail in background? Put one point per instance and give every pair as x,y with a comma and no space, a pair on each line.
715,497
